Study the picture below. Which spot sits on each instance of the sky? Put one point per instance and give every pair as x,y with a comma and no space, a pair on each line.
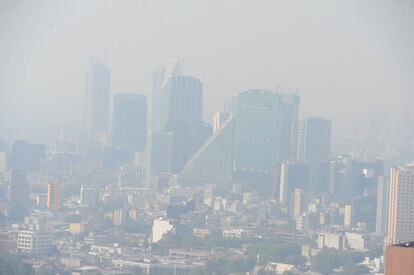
351,61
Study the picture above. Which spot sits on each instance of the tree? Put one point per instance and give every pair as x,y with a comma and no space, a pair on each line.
274,251
198,271
329,259
326,261
10,264
353,269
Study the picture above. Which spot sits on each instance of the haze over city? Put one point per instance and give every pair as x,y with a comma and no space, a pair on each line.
206,137
339,56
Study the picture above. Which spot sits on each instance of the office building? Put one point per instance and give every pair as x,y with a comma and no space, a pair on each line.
364,210
89,196
34,240
26,155
53,199
292,176
314,140
331,240
256,131
177,108
287,126
350,177
401,205
185,96
160,94
98,88
213,162
129,123
187,138
176,97
19,187
335,166
160,153
256,145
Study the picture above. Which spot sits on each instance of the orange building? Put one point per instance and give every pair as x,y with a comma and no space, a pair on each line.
399,259
53,196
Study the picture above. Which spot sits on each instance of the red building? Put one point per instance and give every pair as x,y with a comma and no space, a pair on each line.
399,259
53,196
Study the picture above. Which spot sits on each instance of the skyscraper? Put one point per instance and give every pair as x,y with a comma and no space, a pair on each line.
401,205
160,153
129,124
364,212
160,94
256,131
185,97
53,196
288,121
265,135
177,108
213,162
98,88
314,140
26,155
292,176
19,187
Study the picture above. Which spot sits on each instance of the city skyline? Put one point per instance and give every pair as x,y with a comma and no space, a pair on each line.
206,137
286,61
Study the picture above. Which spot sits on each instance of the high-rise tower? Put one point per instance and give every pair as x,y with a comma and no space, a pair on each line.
19,187
129,124
53,196
287,132
314,140
401,205
213,162
160,94
98,86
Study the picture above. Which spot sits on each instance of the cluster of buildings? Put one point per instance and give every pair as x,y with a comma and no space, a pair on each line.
116,199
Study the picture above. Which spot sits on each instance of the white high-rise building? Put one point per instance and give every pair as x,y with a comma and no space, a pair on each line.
34,240
401,205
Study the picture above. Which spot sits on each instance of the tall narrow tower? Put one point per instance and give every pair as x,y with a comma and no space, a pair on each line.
98,86
53,196
160,95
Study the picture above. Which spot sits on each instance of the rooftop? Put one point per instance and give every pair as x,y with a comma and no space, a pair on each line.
405,244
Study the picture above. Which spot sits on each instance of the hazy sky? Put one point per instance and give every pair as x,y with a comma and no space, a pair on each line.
350,59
